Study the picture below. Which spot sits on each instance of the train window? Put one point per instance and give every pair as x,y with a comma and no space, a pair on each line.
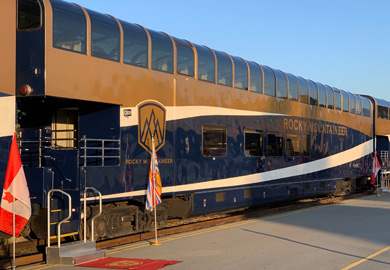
358,105
345,101
303,90
321,95
293,144
224,69
293,93
313,93
281,84
240,73
253,143
306,145
256,77
269,81
105,36
206,64
29,14
69,27
330,97
135,45
352,103
214,141
275,144
383,109
162,52
185,57
337,98
366,107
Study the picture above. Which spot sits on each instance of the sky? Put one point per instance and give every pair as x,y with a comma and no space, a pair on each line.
341,43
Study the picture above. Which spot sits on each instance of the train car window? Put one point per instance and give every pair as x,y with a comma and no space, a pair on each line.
214,141
162,52
185,57
256,78
330,97
224,69
303,90
345,101
135,45
105,36
253,143
306,145
321,95
293,93
337,98
281,84
358,105
269,81
293,144
69,27
313,93
29,15
240,73
206,64
275,144
383,109
366,107
352,103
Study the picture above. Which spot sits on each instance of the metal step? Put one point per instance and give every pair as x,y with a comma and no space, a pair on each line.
74,253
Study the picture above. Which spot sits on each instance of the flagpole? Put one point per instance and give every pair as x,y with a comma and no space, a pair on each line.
156,243
13,231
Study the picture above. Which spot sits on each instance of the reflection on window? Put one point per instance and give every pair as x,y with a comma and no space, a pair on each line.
337,98
366,107
293,145
256,78
321,95
185,59
105,36
162,52
292,87
269,81
358,105
313,93
275,144
303,91
330,97
135,47
214,141
352,103
240,73
206,64
345,101
253,143
29,14
383,112
224,69
281,84
69,27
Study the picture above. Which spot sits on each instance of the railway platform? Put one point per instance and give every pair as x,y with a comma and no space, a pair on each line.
352,234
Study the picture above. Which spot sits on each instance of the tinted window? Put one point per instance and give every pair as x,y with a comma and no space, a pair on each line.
330,97
135,45
29,14
281,84
69,27
383,112
352,103
366,107
269,81
162,52
253,143
275,144
345,101
185,57
240,73
358,105
292,87
303,90
293,145
224,69
313,93
256,77
337,98
321,95
105,36
206,64
214,141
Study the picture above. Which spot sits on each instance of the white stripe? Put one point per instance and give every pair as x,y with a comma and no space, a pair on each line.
7,116
341,158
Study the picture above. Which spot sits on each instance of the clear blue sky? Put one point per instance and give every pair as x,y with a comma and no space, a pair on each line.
342,43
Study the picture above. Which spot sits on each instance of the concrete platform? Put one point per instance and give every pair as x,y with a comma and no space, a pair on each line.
353,234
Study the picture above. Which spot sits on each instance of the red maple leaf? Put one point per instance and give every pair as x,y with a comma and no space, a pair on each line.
8,197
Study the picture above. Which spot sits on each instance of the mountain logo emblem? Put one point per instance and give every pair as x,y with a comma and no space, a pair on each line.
151,122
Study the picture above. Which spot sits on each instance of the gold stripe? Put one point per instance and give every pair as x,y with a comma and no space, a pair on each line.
63,235
366,259
54,223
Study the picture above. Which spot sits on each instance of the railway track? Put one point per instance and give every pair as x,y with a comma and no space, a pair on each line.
30,252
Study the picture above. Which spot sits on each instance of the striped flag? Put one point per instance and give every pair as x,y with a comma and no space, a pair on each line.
15,195
153,195
376,166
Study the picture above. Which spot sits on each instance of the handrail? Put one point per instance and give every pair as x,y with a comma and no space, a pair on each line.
104,150
62,221
85,213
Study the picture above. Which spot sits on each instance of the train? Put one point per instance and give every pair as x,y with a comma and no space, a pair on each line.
85,92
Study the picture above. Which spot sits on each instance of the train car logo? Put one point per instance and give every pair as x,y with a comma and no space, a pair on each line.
151,122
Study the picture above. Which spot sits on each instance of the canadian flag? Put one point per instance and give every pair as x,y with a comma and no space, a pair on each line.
376,166
16,192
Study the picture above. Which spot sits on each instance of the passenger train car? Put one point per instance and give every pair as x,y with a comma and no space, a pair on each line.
86,91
